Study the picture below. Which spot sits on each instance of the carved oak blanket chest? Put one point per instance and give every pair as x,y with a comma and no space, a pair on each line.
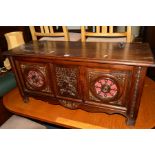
96,77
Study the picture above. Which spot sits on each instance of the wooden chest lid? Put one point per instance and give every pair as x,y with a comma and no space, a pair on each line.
114,53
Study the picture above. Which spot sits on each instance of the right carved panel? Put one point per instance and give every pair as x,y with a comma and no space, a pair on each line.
108,87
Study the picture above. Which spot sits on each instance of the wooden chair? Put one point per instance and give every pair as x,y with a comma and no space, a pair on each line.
49,33
105,34
13,39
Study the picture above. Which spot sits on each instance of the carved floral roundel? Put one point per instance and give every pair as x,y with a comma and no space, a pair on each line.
35,78
105,88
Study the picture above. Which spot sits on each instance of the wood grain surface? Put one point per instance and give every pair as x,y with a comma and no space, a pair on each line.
114,53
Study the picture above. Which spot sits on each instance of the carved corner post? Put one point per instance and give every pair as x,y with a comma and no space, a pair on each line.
136,92
25,98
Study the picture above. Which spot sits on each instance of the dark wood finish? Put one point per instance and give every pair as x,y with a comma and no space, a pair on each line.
58,115
95,77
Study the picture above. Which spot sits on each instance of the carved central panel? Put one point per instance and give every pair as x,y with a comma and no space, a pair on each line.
67,81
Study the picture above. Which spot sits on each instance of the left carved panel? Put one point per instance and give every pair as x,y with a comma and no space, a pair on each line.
35,77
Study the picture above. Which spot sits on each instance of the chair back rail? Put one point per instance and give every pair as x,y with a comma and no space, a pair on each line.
48,31
105,31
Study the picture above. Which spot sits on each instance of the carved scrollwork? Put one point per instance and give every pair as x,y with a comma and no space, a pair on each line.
67,81
136,86
92,97
69,104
